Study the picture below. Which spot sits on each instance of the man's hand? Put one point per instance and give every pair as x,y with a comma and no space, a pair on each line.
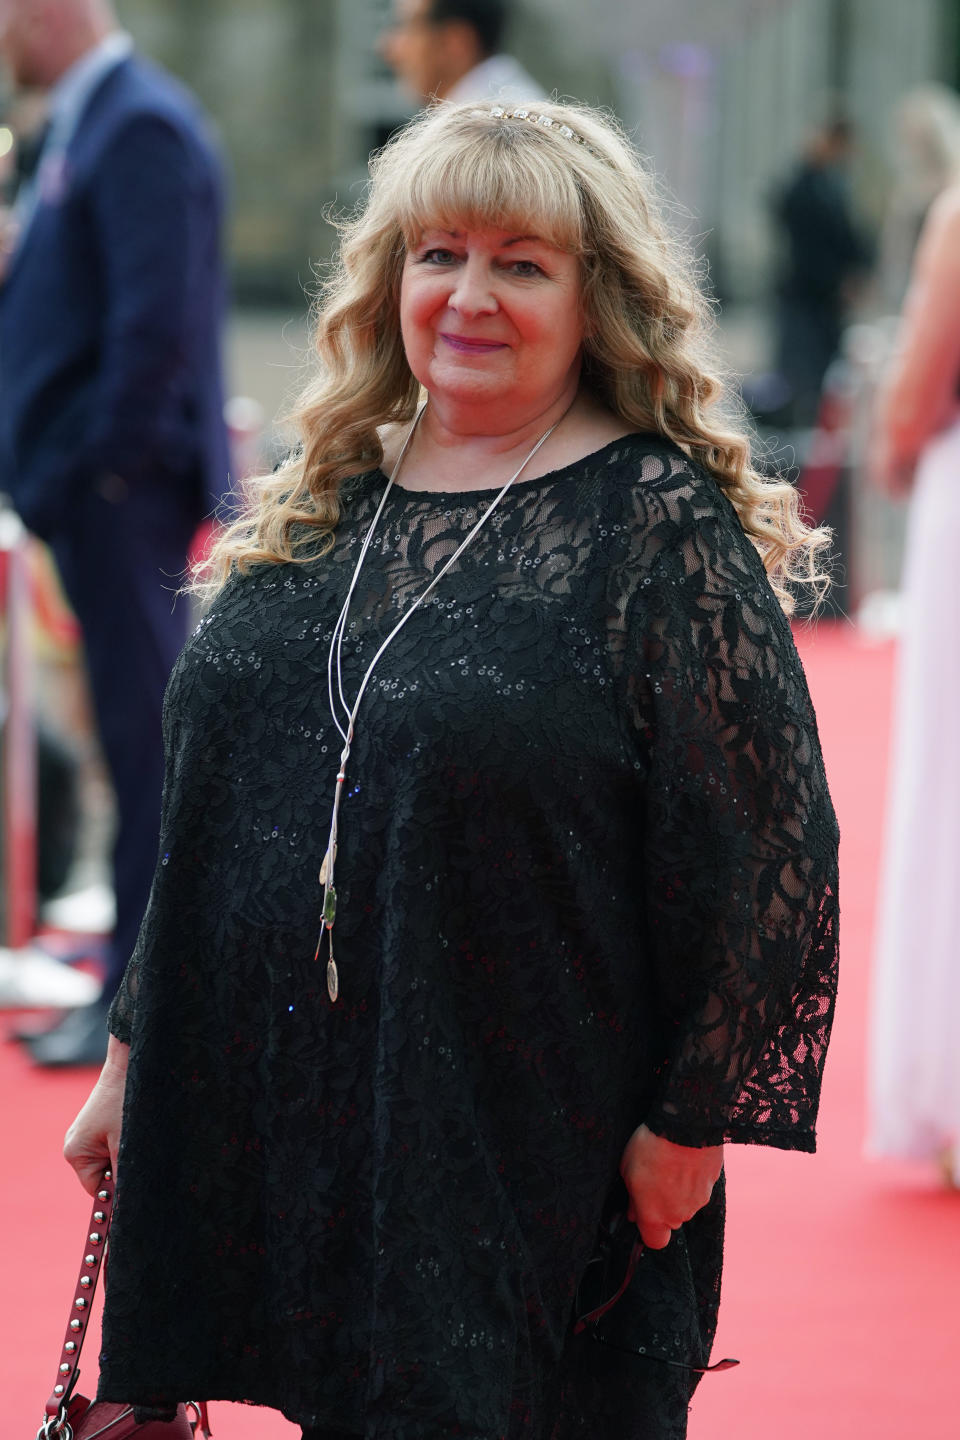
667,1183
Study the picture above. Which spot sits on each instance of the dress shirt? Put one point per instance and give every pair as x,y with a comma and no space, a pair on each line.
499,77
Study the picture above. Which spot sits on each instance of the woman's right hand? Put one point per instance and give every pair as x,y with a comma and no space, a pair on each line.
93,1139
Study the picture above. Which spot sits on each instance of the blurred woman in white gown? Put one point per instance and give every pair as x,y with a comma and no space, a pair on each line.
914,1080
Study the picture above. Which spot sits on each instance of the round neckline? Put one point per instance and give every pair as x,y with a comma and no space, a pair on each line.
491,490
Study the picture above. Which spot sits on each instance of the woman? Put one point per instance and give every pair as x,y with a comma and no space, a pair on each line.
925,159
914,1082
533,712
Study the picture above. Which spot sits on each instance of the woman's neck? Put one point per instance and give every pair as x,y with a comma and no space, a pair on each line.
448,452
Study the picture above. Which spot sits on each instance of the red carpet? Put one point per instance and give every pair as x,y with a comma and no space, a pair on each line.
843,1277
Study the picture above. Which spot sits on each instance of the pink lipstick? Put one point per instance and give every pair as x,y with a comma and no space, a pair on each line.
467,346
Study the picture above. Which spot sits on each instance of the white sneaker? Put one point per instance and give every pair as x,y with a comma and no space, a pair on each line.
91,911
31,979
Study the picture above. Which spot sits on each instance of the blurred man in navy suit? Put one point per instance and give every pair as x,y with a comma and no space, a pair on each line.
112,442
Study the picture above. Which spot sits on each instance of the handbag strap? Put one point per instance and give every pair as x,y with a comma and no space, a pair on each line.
94,1250
94,1255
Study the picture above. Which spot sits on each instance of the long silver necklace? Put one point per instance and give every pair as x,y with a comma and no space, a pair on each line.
345,720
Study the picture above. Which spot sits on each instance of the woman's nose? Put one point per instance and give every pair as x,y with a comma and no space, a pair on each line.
473,292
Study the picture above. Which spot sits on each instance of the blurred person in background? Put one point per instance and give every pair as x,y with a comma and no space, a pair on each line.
926,159
450,50
825,253
25,117
914,1077
522,731
112,443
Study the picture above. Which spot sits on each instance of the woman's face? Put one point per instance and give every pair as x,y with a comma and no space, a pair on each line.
491,322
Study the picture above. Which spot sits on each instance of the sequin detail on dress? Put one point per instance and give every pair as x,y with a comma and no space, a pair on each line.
587,876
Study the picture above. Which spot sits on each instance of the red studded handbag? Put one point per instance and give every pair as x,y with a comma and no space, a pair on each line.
71,1416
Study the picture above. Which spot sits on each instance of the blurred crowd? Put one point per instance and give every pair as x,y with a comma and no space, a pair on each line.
113,443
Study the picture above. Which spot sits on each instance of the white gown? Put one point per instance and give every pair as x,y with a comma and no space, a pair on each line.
914,1075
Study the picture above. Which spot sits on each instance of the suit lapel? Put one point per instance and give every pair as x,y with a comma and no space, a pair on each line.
54,174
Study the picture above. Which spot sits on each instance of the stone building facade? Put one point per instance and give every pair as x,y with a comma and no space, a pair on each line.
720,93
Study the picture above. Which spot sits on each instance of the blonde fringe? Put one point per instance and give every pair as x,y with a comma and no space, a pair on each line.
648,347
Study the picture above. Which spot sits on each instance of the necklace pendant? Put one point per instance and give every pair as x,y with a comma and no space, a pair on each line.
333,977
325,866
330,906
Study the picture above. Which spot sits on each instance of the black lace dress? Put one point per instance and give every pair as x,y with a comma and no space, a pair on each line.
586,878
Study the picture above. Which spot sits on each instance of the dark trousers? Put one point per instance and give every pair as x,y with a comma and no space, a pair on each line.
121,563
809,332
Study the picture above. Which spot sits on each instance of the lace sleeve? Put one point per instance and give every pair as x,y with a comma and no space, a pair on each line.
123,1008
741,839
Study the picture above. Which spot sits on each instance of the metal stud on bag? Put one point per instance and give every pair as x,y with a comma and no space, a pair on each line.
69,1415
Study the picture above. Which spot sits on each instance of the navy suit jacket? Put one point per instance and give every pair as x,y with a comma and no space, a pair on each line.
111,309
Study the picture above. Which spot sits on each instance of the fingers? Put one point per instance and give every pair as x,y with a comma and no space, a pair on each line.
657,1223
655,1237
90,1173
667,1183
89,1155
655,1234
92,1141
893,477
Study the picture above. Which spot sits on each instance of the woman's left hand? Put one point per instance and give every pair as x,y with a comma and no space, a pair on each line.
667,1183
889,471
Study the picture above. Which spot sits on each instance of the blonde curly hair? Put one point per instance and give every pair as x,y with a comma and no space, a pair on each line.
648,346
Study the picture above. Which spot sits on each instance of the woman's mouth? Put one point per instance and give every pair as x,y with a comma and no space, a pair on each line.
469,345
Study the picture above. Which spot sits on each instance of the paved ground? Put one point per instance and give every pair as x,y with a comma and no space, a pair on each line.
267,358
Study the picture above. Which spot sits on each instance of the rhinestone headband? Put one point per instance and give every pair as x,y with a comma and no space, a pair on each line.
545,121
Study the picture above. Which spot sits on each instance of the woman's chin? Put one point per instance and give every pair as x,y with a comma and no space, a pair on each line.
467,386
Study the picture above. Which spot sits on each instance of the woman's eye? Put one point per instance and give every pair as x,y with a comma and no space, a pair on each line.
437,257
525,268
